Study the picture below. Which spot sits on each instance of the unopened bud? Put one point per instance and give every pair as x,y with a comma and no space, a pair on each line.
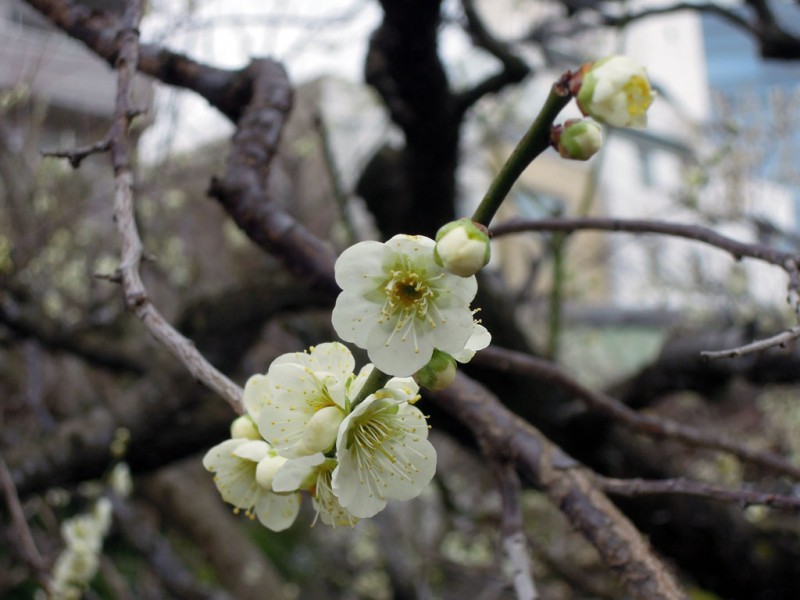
266,469
243,427
438,373
577,139
462,247
319,434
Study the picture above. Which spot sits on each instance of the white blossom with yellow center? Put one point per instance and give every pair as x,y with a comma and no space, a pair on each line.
399,305
303,398
243,472
616,91
383,451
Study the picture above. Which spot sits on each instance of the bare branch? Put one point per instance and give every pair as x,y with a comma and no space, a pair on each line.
566,483
780,340
697,233
27,545
528,366
514,68
132,250
632,488
514,541
243,191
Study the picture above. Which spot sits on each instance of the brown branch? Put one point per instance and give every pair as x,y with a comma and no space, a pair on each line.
136,296
27,545
568,485
774,41
697,233
243,191
225,89
632,488
785,260
508,361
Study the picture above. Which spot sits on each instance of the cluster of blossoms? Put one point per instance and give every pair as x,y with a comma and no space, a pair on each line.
311,426
305,430
78,563
353,441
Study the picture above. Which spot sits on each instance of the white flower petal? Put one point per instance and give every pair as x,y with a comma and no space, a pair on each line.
398,353
254,450
277,511
353,318
358,266
334,358
297,473
403,305
479,339
234,476
256,393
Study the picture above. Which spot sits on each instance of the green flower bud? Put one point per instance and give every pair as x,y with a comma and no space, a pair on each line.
577,139
438,373
462,247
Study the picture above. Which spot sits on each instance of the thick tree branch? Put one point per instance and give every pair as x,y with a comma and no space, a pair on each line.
243,191
520,364
225,89
566,483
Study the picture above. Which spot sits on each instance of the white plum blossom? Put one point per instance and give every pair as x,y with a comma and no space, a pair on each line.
399,305
616,91
303,398
243,471
314,473
383,451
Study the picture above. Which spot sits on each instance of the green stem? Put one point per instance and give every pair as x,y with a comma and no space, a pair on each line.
376,380
535,141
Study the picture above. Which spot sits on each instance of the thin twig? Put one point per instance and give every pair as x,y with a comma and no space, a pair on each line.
567,484
136,296
632,488
525,365
785,260
514,542
27,545
780,340
78,155
697,233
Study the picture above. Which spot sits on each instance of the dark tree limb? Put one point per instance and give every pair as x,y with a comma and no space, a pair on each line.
140,532
403,65
566,483
243,190
225,89
514,68
632,488
523,365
